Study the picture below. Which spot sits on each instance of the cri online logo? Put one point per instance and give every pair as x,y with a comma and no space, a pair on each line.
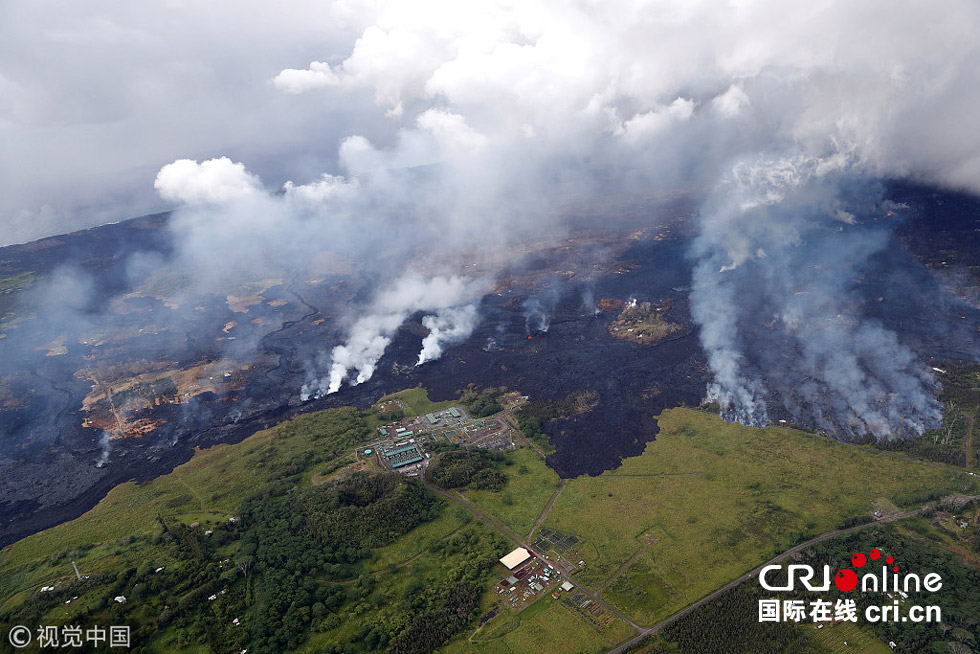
846,580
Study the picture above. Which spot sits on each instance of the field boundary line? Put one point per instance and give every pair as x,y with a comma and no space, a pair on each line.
546,509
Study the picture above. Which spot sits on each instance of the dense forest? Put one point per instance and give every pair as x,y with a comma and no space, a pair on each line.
468,468
481,403
290,572
730,625
298,537
919,552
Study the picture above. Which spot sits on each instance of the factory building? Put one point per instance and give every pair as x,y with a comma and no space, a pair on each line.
515,558
398,457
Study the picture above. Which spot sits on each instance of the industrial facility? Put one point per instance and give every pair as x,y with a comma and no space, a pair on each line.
446,417
515,558
402,455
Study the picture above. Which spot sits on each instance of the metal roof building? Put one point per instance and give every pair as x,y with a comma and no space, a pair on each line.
515,558
399,457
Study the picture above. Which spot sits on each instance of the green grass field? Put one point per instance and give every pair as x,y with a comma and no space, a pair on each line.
546,627
418,402
17,282
859,640
524,495
419,539
709,500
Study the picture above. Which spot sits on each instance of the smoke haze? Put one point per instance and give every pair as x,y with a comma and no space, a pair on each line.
422,143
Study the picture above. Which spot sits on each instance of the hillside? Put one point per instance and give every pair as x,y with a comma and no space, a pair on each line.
219,550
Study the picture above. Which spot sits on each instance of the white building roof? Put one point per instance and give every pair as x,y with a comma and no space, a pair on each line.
515,558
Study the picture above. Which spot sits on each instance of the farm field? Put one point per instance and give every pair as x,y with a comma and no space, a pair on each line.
546,626
530,484
848,637
709,500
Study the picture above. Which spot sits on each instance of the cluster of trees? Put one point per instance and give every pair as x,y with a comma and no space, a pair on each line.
431,610
960,396
294,561
468,468
392,415
532,416
730,624
300,536
854,521
481,403
573,403
958,598
533,428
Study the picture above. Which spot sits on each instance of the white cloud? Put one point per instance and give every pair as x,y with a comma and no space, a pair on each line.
646,125
731,102
450,129
295,81
216,181
86,128
317,193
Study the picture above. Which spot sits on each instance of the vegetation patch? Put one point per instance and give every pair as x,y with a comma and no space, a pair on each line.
530,484
730,625
480,403
724,498
916,552
643,323
547,626
236,549
533,415
414,402
473,469
16,282
957,441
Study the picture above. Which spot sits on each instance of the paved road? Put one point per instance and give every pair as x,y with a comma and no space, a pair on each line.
507,533
645,632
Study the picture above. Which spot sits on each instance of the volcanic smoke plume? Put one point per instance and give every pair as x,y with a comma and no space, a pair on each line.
457,133
452,325
449,297
536,319
780,246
